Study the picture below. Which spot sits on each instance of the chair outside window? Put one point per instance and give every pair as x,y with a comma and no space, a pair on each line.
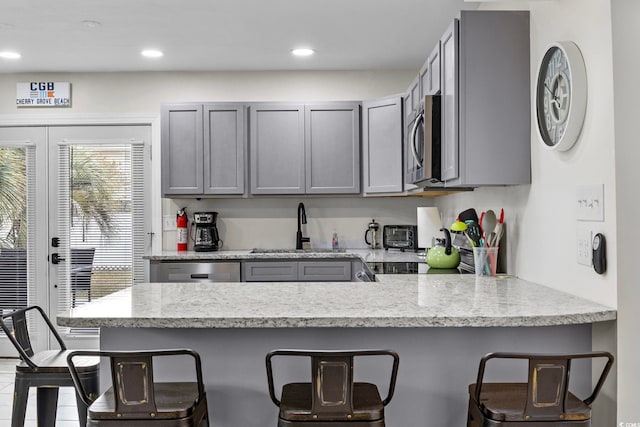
543,401
46,370
135,399
331,398
81,271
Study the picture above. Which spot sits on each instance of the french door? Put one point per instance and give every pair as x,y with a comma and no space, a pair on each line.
87,231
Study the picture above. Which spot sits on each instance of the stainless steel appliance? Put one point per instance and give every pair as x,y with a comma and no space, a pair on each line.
400,237
206,232
423,144
205,272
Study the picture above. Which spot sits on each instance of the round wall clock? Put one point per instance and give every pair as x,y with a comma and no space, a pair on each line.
561,95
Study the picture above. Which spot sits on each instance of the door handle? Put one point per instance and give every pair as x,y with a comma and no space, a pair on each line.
414,133
55,258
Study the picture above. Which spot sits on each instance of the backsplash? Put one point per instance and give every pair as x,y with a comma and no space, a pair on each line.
272,222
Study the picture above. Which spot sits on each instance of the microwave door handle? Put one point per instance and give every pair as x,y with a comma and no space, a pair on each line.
414,133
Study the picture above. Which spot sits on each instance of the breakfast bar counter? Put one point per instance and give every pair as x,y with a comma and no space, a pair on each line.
399,301
440,325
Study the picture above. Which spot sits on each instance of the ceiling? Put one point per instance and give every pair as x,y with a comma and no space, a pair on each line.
205,35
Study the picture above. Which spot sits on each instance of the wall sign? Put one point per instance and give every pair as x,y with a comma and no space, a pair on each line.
43,94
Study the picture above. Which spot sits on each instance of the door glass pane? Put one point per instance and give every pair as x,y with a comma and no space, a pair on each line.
16,234
99,222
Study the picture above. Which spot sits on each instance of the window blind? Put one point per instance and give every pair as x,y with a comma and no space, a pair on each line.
17,217
101,219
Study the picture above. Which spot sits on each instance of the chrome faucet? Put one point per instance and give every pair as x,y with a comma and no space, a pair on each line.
302,219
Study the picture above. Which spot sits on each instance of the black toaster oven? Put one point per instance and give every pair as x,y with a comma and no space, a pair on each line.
400,237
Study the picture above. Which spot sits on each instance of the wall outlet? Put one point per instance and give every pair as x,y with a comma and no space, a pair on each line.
590,202
584,254
169,222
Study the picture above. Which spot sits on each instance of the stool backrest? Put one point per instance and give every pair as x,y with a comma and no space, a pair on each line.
332,378
18,333
548,381
132,378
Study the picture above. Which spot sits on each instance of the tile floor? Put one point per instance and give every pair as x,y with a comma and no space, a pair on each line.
67,412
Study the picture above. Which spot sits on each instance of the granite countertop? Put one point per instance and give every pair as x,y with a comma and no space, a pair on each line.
367,255
419,300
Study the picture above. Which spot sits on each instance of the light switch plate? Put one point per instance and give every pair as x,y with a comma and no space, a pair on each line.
584,252
590,202
168,222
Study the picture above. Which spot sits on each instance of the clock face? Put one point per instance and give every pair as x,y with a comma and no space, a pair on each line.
561,96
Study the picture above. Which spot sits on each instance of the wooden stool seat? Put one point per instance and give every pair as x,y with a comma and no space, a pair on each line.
296,403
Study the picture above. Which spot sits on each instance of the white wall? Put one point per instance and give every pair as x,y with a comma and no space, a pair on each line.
626,69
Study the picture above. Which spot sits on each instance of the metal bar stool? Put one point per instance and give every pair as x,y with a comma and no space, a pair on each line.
46,370
135,399
543,401
332,398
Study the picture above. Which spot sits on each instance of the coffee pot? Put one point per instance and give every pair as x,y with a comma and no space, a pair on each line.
374,228
206,232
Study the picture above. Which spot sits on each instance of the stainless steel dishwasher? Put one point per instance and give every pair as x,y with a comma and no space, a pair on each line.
203,272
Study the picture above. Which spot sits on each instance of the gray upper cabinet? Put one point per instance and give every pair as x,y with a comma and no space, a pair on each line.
450,83
332,148
203,149
485,85
430,74
224,148
277,148
305,149
382,145
182,149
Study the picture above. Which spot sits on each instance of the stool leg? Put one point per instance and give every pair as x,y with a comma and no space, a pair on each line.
47,406
91,386
20,396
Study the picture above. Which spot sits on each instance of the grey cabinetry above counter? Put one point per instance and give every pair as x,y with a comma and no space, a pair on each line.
485,87
305,149
203,149
382,145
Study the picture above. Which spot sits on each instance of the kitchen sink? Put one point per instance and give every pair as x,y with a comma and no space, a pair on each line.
295,251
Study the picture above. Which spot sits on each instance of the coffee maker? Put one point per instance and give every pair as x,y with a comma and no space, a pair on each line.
207,238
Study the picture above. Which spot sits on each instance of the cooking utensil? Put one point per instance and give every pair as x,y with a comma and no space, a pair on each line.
474,233
488,224
468,215
458,226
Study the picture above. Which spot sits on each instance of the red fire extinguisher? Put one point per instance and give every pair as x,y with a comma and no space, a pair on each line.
181,225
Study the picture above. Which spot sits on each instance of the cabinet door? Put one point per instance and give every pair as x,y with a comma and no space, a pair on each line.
450,103
431,86
182,149
224,147
332,148
277,149
269,271
415,95
324,271
382,145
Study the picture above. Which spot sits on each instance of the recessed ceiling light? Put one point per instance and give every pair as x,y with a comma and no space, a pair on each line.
302,51
151,53
10,55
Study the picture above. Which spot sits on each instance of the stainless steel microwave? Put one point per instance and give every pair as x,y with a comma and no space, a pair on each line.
424,145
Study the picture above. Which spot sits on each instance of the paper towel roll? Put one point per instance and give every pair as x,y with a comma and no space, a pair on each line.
429,225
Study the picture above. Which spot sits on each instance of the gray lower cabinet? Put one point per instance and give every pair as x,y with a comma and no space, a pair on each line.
485,85
203,149
291,271
305,149
382,146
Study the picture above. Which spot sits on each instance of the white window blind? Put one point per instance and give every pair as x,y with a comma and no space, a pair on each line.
17,230
101,214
